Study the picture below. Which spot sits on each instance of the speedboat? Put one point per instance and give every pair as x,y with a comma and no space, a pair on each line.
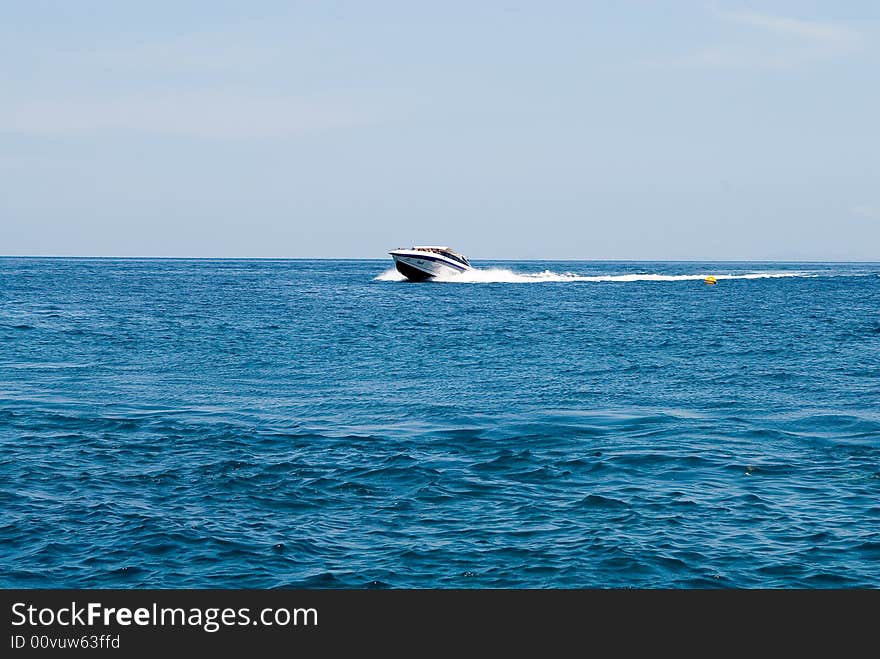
421,263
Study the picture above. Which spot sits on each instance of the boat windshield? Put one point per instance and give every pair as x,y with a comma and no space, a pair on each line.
445,251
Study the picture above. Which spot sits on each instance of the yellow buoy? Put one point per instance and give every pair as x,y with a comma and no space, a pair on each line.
710,280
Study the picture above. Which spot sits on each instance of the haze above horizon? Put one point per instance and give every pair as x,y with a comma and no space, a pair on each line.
686,131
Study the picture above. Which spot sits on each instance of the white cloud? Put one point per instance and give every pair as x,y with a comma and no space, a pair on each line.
193,114
766,41
864,210
817,32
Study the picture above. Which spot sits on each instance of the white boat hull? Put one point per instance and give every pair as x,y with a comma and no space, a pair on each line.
418,266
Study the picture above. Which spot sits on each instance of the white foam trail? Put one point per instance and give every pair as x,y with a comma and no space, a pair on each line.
391,274
502,275
505,276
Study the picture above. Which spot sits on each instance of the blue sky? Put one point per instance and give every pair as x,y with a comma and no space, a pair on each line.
570,130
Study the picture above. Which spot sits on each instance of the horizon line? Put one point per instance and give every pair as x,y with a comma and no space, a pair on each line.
364,258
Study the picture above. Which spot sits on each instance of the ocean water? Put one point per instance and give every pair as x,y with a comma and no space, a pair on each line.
288,423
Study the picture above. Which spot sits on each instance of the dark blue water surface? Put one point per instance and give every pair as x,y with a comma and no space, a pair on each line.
236,423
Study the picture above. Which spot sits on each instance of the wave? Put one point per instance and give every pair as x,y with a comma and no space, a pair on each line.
390,275
505,276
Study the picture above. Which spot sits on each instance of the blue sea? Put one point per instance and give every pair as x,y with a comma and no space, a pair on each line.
322,424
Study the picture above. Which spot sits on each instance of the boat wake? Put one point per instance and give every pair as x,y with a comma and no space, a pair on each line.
505,276
390,275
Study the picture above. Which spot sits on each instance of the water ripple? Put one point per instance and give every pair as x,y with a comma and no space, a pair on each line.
298,424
